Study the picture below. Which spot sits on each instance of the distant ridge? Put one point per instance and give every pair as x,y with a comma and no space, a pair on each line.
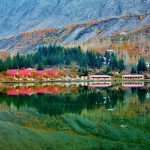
72,35
25,15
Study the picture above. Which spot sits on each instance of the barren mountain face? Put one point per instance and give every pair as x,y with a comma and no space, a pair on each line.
24,15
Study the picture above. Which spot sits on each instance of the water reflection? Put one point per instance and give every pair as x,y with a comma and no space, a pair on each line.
133,84
100,84
61,98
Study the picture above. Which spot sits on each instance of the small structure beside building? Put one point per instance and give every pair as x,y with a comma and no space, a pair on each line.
147,64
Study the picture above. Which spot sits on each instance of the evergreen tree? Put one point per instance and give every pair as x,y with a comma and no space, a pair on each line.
98,61
40,66
113,62
141,66
133,70
84,62
107,56
121,65
108,69
1,65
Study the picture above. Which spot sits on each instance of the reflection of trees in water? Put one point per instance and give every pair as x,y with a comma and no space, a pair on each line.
134,90
115,96
141,93
61,103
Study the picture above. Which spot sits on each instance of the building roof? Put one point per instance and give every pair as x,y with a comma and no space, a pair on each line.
99,76
24,72
12,72
132,75
31,69
41,72
52,72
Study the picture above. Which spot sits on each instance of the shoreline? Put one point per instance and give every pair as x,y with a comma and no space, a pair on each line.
71,81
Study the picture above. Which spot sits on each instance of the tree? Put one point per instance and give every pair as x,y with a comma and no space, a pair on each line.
121,65
108,69
107,56
98,61
40,66
141,66
1,65
84,62
91,58
68,60
113,62
133,70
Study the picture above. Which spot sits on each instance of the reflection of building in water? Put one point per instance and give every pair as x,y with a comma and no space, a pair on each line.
99,84
33,90
133,84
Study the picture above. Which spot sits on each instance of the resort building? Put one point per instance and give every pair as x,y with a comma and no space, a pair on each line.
41,72
52,73
133,77
13,72
24,73
99,77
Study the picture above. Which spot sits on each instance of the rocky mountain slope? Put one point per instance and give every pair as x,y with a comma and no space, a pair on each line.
121,25
73,35
24,15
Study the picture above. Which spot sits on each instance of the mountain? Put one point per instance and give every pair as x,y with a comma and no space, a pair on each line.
120,25
75,34
26,15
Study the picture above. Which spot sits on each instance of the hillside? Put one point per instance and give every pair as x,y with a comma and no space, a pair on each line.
72,35
25,15
122,26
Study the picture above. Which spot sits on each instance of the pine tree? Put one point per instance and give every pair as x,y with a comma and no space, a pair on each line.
133,70
107,56
113,62
83,62
121,65
141,66
40,66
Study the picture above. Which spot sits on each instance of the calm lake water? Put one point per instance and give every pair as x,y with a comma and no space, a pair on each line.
75,115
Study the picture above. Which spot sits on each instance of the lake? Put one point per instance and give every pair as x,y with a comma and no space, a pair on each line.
101,115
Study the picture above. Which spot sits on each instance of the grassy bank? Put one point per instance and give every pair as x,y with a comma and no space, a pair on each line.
121,128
